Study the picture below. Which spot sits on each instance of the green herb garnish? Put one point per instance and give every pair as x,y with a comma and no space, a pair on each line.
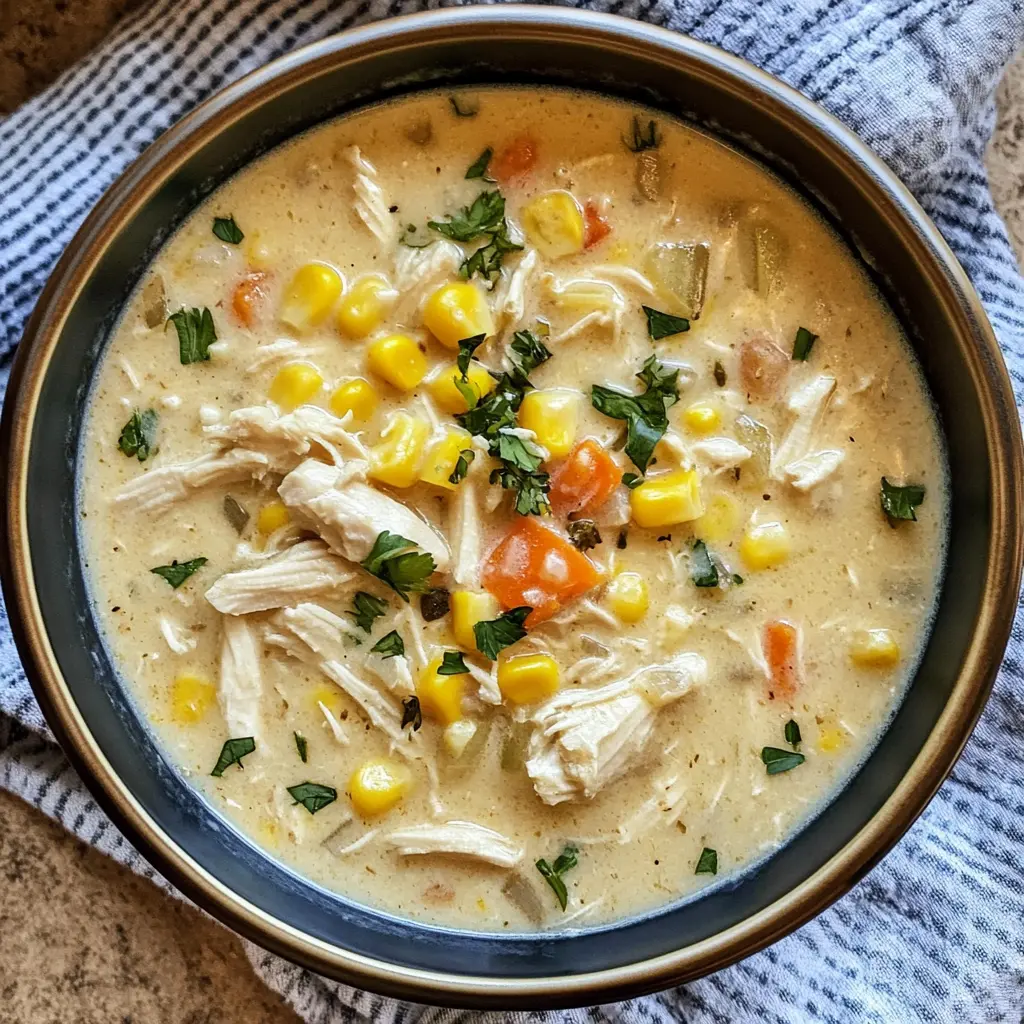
301,746
400,564
366,608
227,230
584,534
643,136
466,456
494,635
777,761
803,344
632,480
530,349
552,873
792,733
707,862
452,664
484,217
177,572
664,325
313,796
487,260
703,570
390,645
898,503
232,753
138,435
196,334
412,714
478,168
466,349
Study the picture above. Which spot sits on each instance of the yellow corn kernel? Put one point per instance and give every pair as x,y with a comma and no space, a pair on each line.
396,459
439,461
377,785
191,698
702,418
272,517
458,735
554,223
398,360
720,520
527,678
830,739
443,390
874,648
457,311
468,608
294,385
356,396
440,696
311,296
765,546
627,596
553,415
667,499
365,305
257,253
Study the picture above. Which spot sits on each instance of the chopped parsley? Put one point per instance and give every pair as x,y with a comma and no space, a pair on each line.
301,746
898,503
232,753
196,334
530,349
466,349
707,862
412,714
803,343
792,733
458,474
777,761
494,635
463,107
584,534
227,230
434,604
487,260
366,608
138,435
313,796
703,570
483,218
478,168
390,645
552,873
177,572
400,564
719,374
632,480
452,664
646,414
643,136
664,325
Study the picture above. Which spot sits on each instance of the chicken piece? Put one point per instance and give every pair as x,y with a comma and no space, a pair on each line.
371,204
349,514
394,672
240,683
809,404
721,452
456,838
813,468
600,302
510,300
763,365
466,534
307,570
584,739
421,268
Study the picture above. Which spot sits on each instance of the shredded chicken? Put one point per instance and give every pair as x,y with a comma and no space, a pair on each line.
793,460
335,726
349,514
603,304
814,468
510,293
173,635
584,739
420,268
240,676
306,570
458,838
721,452
393,672
466,534
487,679
371,204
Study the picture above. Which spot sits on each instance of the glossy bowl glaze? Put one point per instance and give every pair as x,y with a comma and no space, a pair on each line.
221,869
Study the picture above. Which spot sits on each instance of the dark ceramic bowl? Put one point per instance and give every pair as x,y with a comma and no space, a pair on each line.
221,869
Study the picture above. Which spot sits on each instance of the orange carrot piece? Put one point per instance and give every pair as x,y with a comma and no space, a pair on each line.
781,642
595,227
515,160
249,293
532,565
585,480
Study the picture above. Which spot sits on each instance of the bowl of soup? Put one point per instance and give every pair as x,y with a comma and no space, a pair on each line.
511,507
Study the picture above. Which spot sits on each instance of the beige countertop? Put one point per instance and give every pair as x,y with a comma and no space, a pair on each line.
82,940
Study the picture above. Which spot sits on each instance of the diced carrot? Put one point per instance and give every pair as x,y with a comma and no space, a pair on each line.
534,566
781,643
515,159
249,293
763,365
595,227
585,480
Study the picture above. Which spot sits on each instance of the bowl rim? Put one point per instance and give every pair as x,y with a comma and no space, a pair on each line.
931,766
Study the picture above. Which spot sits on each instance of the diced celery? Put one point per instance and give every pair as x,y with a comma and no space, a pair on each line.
763,252
680,270
757,437
154,302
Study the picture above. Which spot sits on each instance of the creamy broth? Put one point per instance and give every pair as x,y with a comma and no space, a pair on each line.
748,582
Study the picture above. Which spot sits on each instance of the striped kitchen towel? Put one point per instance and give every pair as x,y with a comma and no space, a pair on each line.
935,932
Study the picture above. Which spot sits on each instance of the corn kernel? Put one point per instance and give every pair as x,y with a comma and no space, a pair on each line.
720,520
356,396
294,385
554,223
553,415
377,785
396,459
272,517
439,461
627,596
398,360
440,696
191,698
527,678
457,311
443,390
257,253
311,295
667,499
365,305
702,418
458,735
468,608
831,739
765,546
874,648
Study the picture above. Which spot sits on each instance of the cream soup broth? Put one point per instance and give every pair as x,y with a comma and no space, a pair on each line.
711,650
